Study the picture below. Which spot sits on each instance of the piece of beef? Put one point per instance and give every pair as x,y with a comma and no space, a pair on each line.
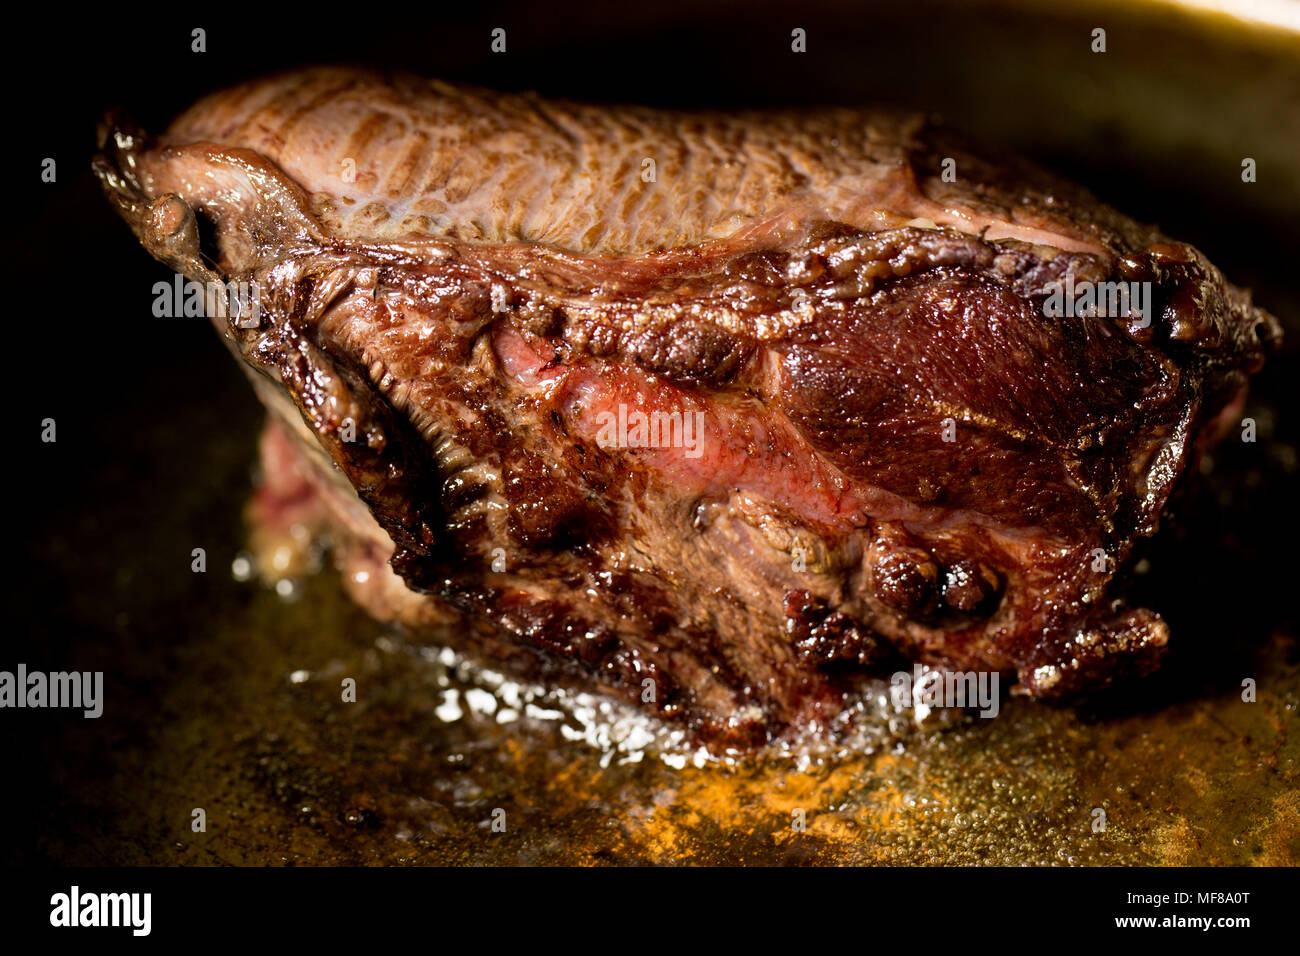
863,434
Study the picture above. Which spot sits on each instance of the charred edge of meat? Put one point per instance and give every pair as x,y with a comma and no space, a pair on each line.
378,450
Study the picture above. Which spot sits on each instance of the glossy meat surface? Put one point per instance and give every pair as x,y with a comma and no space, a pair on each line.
895,451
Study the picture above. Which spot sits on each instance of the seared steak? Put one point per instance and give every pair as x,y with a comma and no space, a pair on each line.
718,413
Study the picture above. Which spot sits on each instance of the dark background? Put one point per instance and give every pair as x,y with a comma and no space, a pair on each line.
156,427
